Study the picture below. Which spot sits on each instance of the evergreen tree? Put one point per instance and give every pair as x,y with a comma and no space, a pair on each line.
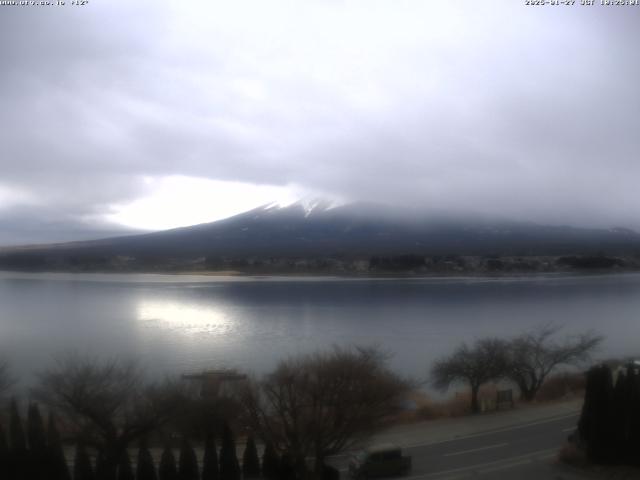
125,470
585,422
250,460
82,469
19,461
330,473
102,468
146,470
633,415
188,463
620,417
18,442
167,469
596,425
58,468
270,463
4,455
210,459
36,437
287,468
229,468
35,430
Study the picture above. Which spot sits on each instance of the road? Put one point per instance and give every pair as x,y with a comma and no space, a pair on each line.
492,452
523,451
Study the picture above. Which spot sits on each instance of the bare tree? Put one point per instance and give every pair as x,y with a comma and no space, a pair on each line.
475,365
109,403
535,354
322,404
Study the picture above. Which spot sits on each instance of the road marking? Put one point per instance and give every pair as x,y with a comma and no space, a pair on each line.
491,432
518,463
570,429
495,463
498,445
506,466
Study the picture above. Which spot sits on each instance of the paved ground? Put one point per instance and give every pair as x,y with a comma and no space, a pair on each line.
451,429
518,444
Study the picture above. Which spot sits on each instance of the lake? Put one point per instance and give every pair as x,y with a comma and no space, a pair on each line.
181,323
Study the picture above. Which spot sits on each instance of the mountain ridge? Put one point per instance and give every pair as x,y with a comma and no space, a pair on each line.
321,229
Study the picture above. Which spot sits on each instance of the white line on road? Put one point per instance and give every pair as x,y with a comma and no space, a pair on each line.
517,463
474,435
498,445
491,432
570,429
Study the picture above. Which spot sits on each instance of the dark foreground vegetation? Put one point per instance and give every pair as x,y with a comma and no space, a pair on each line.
609,428
308,408
106,421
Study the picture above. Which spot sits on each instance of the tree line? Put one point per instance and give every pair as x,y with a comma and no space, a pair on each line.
37,453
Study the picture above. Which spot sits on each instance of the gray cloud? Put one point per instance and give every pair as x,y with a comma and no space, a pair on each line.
491,107
25,225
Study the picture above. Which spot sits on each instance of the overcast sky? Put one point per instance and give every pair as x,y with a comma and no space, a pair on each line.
154,114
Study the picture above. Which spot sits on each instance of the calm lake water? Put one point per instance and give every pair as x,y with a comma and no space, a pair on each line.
187,323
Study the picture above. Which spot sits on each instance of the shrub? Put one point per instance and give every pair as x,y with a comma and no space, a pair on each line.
561,385
572,455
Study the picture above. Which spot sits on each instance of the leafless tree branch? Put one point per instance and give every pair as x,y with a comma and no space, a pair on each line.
324,403
535,354
484,361
109,402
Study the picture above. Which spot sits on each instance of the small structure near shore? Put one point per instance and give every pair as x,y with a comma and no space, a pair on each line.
504,399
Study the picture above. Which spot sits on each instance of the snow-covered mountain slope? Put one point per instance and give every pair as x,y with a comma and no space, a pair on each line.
318,228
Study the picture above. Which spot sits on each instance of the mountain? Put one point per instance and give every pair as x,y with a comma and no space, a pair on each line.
319,229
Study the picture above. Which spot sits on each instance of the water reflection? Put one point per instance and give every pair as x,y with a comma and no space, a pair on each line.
251,324
184,318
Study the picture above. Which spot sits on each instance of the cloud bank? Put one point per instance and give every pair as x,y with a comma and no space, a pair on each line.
490,107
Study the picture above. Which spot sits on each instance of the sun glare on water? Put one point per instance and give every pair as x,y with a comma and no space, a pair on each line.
184,318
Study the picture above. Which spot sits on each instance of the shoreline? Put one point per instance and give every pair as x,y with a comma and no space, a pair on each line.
336,275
